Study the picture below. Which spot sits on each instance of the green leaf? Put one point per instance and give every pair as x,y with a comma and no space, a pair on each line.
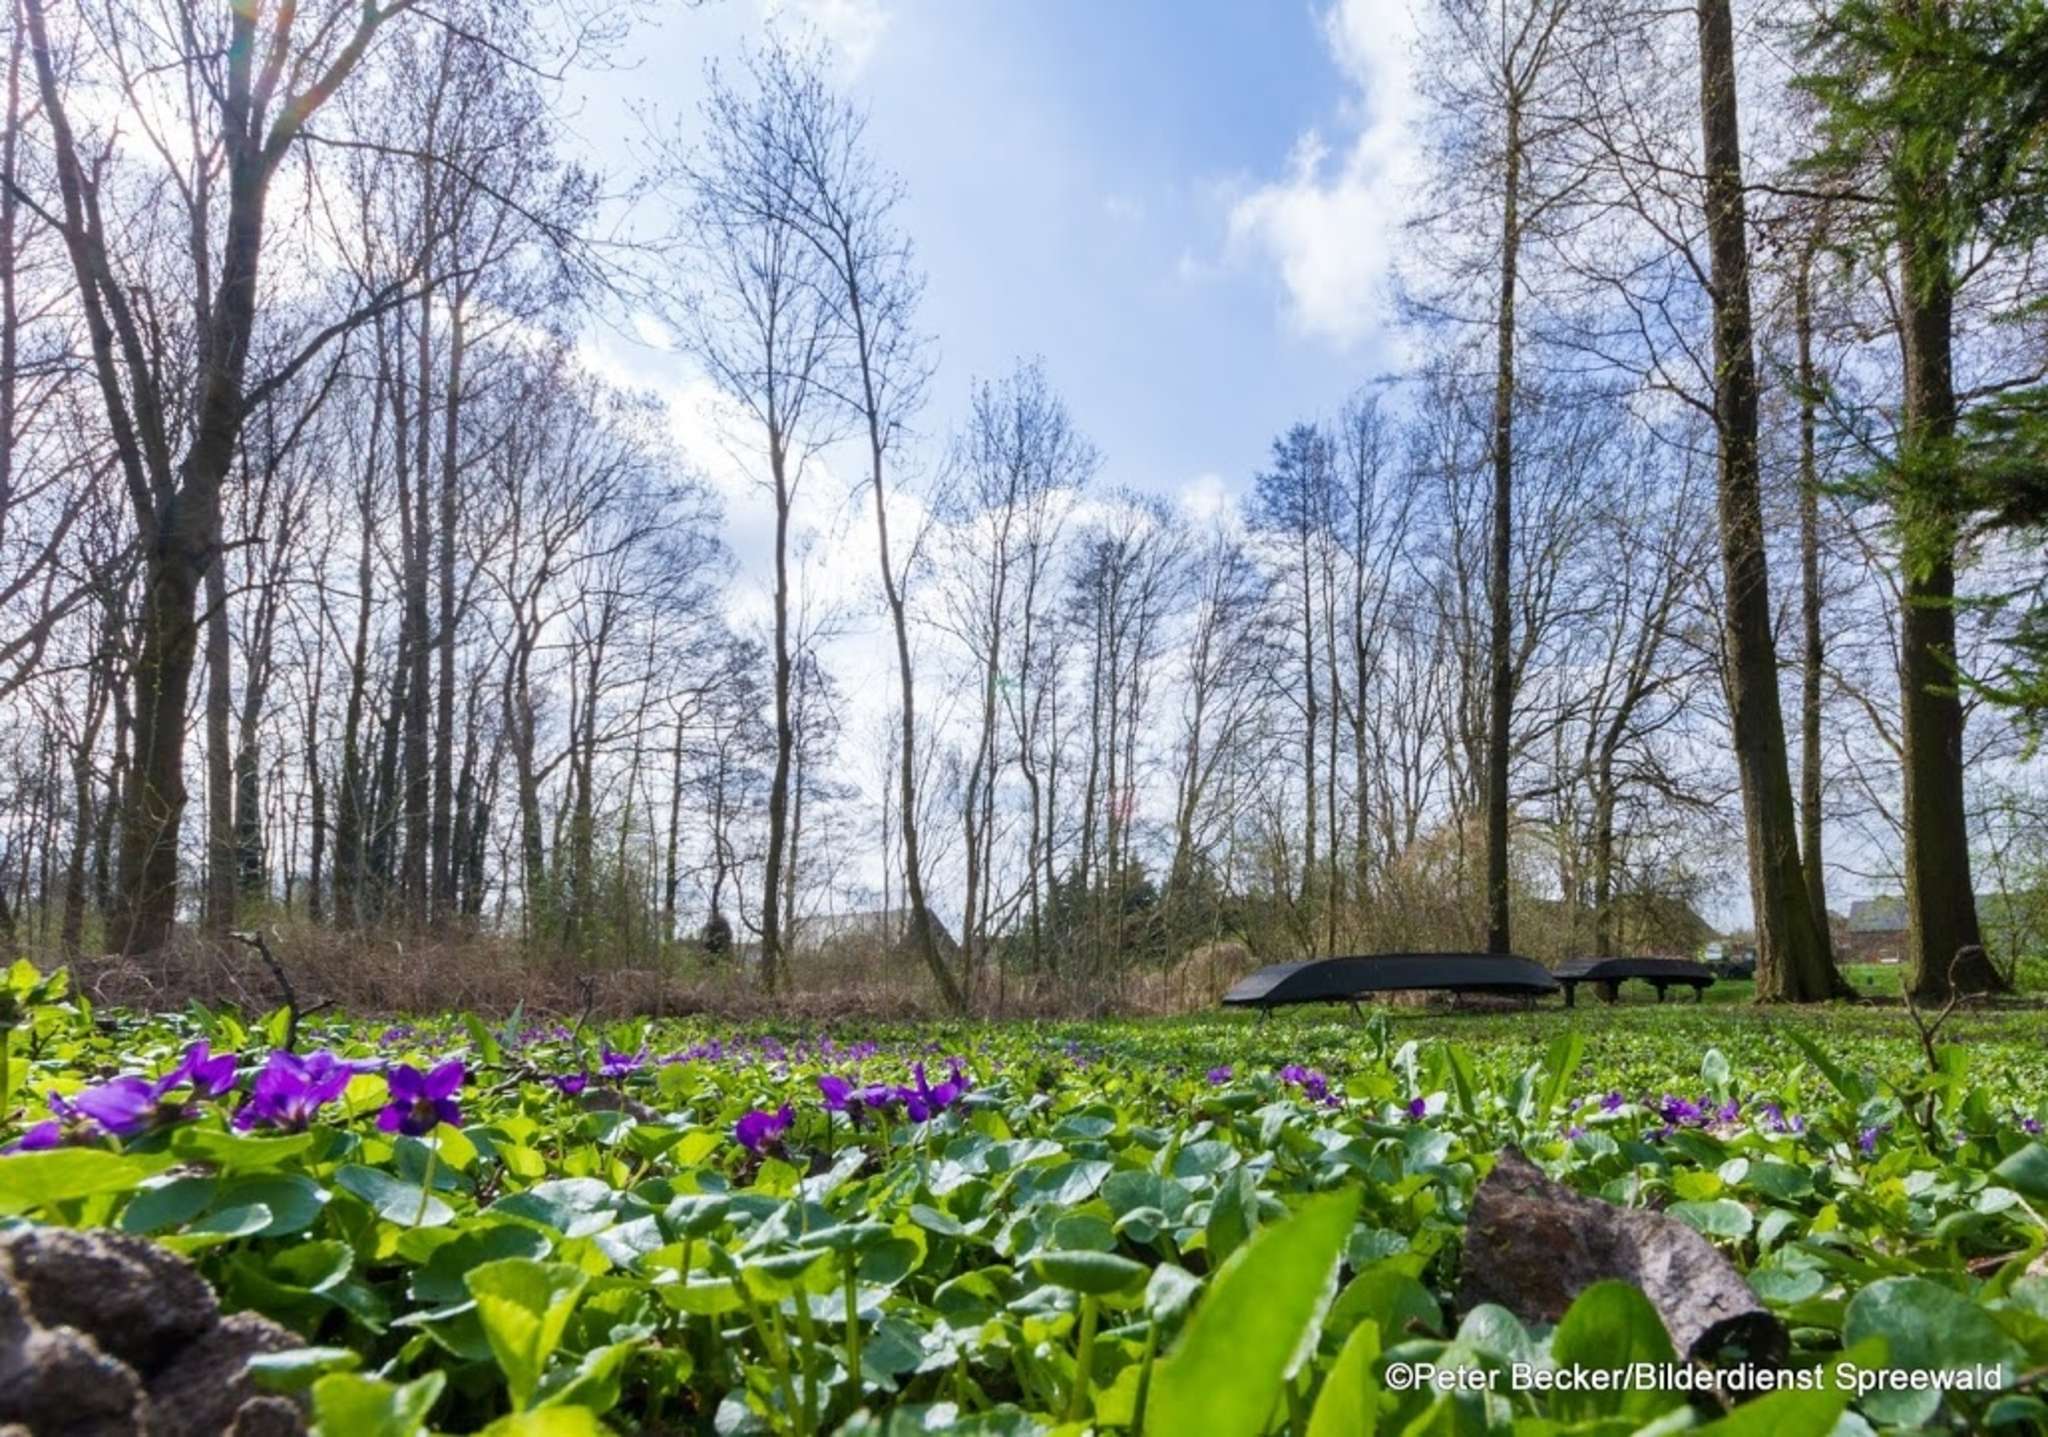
524,1307
1610,1326
298,1368
346,1405
2026,1171
594,1382
236,1153
1232,1215
1349,1403
1560,1063
295,1202
1225,1374
1930,1328
487,1046
395,1200
167,1204
1798,1412
1722,1217
1853,1089
29,1181
547,1422
1094,1273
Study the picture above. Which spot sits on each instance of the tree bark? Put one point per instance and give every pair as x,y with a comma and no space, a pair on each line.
1813,650
1793,964
1500,659
1944,947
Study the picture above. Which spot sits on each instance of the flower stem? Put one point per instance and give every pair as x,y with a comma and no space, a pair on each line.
1084,1361
853,1323
426,1186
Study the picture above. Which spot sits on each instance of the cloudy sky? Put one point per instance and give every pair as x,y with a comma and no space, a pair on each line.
1183,206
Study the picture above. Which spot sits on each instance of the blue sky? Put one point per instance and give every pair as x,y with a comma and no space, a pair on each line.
1153,195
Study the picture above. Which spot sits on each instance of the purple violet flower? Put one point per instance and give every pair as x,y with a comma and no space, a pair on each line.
615,1064
128,1105
2031,1127
758,1129
1218,1076
43,1136
1611,1103
421,1102
289,1091
838,1093
570,1084
1418,1108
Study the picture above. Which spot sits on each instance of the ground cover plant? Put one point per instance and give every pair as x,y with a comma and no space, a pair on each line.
1198,1226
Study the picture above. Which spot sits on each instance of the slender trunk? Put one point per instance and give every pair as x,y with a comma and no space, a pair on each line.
1813,654
221,859
772,962
922,937
1793,964
1500,671
442,833
1944,947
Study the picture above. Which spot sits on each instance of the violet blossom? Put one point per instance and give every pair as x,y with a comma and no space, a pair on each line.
421,1102
757,1129
289,1091
128,1105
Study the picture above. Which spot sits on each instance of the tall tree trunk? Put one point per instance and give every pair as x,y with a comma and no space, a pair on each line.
1500,669
1944,947
1793,963
921,935
442,834
1814,651
218,915
785,739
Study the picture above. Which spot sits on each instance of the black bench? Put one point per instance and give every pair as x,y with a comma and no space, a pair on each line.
1345,980
1611,973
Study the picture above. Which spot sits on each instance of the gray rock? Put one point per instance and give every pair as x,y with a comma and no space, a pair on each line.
140,1302
57,1383
201,1393
1532,1245
107,1335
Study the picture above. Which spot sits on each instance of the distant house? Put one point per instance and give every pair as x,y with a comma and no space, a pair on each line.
2012,924
1877,930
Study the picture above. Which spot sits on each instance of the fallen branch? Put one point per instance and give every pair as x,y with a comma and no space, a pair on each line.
251,938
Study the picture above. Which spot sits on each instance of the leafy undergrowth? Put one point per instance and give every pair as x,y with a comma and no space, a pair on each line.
1215,1227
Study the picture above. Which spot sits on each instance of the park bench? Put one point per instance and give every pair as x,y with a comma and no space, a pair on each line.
1346,980
1611,973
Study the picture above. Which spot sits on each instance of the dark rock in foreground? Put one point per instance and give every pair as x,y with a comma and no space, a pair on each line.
106,1335
1532,1245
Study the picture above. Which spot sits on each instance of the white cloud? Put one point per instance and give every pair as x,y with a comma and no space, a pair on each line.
853,28
1206,498
1330,225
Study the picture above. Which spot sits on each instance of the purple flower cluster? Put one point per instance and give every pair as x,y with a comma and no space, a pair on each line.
128,1106
289,1091
1417,1109
615,1065
921,1101
1314,1086
1777,1122
1683,1113
1221,1074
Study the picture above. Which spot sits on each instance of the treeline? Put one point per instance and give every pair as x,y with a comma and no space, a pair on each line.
1697,549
